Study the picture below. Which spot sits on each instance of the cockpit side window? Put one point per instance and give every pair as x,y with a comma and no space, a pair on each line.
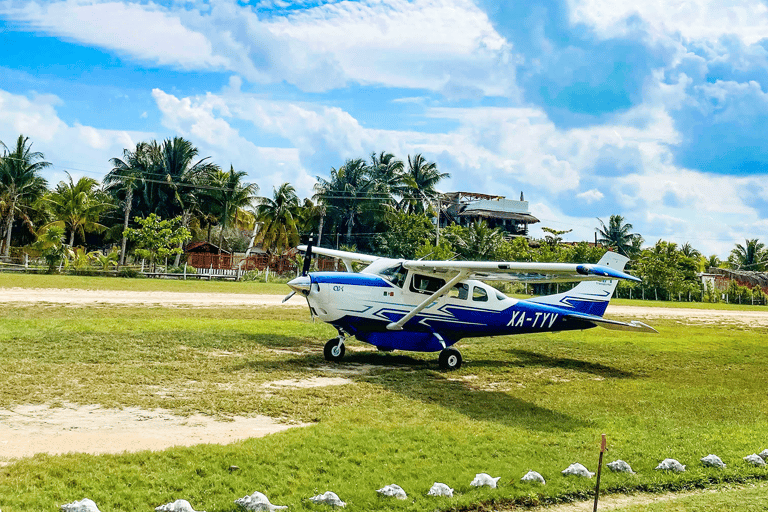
395,275
479,294
426,284
460,291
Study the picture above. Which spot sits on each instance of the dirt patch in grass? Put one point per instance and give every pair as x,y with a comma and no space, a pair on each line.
31,429
312,382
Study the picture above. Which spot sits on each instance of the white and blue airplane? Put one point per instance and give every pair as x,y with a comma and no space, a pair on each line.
427,306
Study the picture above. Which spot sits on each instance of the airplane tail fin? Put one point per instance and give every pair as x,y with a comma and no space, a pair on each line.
589,297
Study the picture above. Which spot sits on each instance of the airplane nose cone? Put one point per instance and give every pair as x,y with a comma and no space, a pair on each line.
301,285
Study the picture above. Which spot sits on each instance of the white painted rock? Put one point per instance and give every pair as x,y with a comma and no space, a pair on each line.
671,465
484,479
439,489
619,466
712,461
764,454
257,501
84,505
176,506
577,469
329,498
755,460
532,476
393,490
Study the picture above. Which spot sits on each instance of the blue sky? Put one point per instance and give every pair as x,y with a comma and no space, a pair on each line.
654,110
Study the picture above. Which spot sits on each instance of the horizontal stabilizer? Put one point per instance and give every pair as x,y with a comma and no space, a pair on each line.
615,325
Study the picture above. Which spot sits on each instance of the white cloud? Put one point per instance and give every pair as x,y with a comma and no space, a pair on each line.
146,32
432,44
693,20
83,150
590,196
442,45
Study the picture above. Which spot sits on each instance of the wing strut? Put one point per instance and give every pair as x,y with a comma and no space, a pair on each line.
397,326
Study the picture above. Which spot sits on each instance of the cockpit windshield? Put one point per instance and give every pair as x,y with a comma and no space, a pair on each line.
394,274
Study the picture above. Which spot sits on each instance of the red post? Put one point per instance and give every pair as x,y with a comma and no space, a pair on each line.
599,470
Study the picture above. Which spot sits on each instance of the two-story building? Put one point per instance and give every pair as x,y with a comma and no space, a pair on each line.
464,208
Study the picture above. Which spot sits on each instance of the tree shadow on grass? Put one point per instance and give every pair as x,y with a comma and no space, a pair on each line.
473,401
418,379
529,358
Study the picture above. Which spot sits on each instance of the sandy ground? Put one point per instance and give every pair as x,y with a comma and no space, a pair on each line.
88,297
32,429
694,316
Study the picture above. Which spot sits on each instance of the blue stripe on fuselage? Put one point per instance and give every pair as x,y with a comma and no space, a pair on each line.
349,278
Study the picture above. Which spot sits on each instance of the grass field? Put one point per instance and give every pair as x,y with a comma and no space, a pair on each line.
525,402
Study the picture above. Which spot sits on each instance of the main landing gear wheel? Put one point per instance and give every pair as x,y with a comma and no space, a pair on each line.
334,350
450,359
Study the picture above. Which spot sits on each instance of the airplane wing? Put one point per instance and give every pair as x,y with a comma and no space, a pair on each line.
347,257
521,271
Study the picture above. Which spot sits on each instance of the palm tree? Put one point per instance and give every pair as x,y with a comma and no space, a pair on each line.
20,182
231,197
479,242
183,177
125,178
617,236
278,217
77,206
418,185
387,170
751,256
311,219
712,262
351,193
688,251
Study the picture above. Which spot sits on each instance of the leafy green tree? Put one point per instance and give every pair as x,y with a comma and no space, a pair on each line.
618,236
750,256
553,237
404,233
77,207
20,183
158,238
278,217
50,242
442,252
666,269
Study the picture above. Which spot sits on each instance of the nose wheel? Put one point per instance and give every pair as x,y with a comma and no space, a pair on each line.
450,359
334,349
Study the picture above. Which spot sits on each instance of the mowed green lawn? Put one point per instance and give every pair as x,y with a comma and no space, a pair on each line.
525,402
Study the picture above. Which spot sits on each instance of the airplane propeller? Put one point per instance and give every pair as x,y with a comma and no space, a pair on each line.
304,268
